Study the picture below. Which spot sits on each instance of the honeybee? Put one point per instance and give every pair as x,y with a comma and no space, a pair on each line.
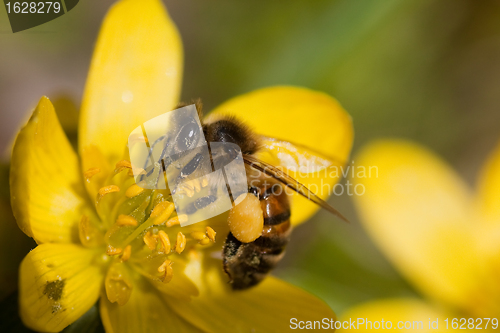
248,263
245,260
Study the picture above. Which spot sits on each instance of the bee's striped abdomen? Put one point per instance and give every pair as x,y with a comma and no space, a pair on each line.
248,263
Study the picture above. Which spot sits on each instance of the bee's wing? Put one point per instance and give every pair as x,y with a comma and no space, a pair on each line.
284,178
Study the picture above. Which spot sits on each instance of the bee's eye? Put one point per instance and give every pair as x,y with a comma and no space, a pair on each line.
188,137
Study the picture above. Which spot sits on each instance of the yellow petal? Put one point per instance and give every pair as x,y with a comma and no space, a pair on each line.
58,283
487,298
47,192
67,113
416,315
135,75
319,129
145,311
418,211
268,307
489,189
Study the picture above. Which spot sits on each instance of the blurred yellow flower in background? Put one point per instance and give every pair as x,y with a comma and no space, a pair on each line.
94,227
443,237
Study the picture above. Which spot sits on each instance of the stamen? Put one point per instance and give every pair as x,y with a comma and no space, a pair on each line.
162,212
91,173
126,253
204,182
111,251
88,233
108,189
190,187
173,221
211,234
165,241
196,185
204,241
133,191
177,220
118,284
150,240
169,271
198,235
126,221
180,245
188,191
123,164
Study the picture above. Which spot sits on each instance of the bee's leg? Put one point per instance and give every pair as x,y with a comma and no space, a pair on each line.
148,159
191,166
200,203
254,190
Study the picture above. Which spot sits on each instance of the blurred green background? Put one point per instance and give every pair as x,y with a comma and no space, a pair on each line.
425,70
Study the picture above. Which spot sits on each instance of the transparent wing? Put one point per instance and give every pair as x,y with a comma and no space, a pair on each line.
284,178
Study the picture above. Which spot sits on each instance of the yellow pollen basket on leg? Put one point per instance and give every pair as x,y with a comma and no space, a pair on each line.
246,219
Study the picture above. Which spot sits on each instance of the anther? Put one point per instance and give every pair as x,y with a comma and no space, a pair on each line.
126,221
150,240
198,235
89,234
177,220
162,212
111,251
196,185
133,191
204,241
204,182
180,245
91,173
211,234
173,221
108,189
167,268
188,191
126,253
123,164
165,241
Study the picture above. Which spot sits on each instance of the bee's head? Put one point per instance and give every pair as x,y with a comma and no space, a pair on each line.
231,130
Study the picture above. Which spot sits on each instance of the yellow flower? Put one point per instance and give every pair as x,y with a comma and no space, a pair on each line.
101,237
443,237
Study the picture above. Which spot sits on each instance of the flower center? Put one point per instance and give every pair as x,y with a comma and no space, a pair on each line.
139,231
